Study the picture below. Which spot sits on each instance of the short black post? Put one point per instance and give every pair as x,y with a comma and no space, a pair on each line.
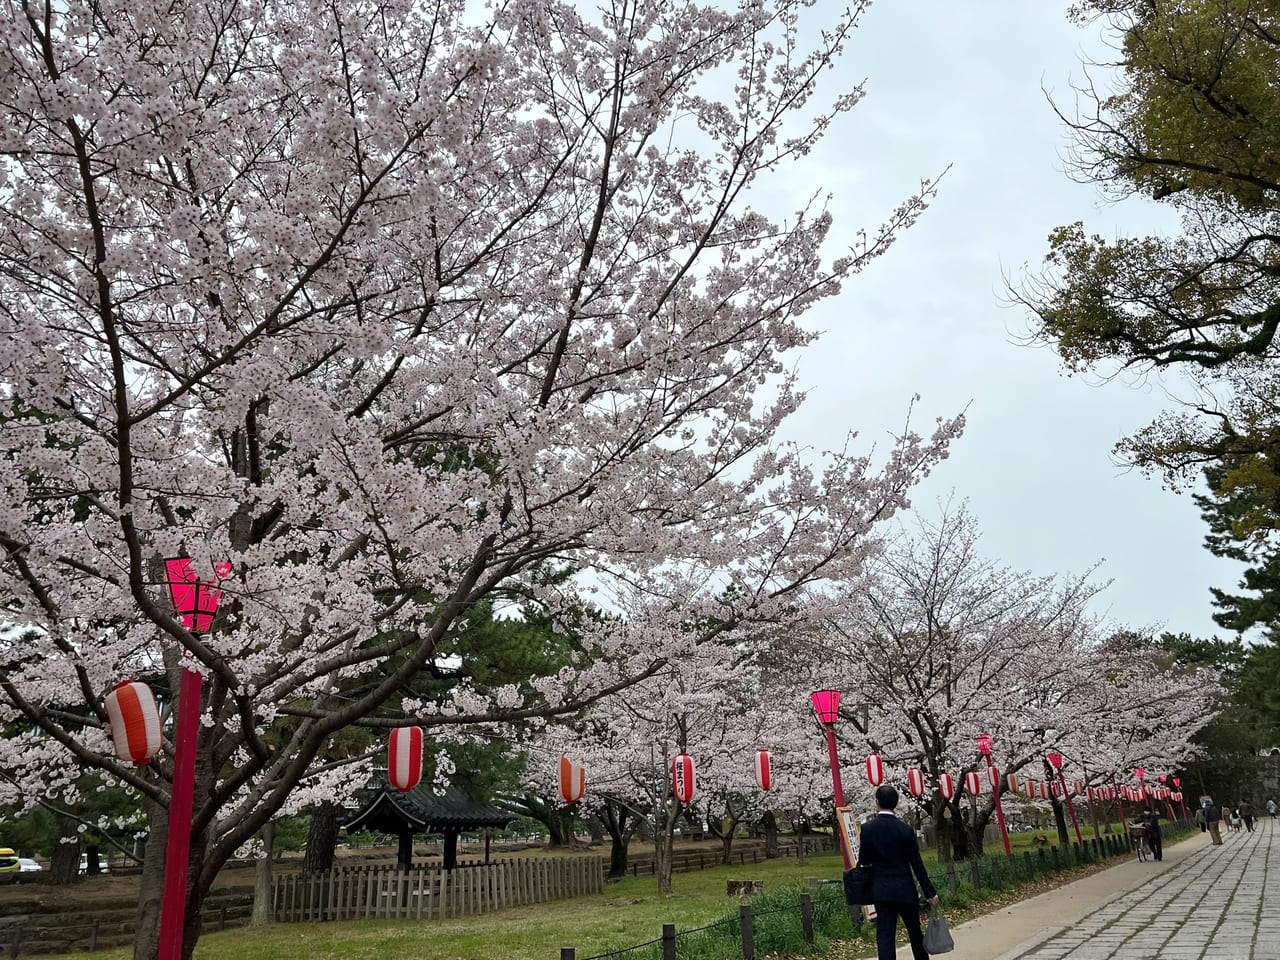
222,918
1044,861
93,937
1026,862
806,917
1057,862
952,883
568,953
975,875
668,941
748,932
15,944
995,872
1079,855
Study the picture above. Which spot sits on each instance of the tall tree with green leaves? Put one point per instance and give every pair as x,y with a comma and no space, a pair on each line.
1195,125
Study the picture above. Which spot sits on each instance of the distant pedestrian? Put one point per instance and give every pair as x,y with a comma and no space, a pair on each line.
1213,817
1235,821
1271,808
1246,814
1151,823
890,849
1198,817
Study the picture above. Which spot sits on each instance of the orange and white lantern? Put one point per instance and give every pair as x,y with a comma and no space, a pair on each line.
915,782
682,777
764,770
993,778
973,782
875,770
946,785
404,758
1013,783
134,721
573,780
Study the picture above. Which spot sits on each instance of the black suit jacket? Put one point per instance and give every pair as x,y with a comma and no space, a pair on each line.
889,846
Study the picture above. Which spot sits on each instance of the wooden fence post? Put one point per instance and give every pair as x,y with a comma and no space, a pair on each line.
567,953
1026,861
668,941
748,932
975,875
806,917
952,883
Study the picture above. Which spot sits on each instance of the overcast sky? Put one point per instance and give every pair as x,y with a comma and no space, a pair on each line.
963,84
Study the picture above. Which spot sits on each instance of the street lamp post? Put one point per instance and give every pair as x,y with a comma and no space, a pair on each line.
1055,760
826,704
984,747
196,604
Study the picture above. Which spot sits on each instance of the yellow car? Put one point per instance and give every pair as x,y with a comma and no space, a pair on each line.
9,866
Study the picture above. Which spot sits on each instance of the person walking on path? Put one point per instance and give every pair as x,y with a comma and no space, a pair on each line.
1214,818
1151,823
888,846
1198,817
1246,814
1271,808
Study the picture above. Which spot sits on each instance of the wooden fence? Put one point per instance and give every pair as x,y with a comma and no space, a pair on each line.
351,893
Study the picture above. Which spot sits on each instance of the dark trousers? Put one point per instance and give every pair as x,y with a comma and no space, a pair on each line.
887,915
1248,823
1157,847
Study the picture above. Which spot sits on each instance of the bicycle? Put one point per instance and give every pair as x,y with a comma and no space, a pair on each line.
1138,836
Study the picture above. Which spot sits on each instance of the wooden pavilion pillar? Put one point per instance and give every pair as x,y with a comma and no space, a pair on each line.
450,849
404,853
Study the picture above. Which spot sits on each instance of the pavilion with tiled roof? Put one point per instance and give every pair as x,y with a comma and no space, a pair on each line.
384,809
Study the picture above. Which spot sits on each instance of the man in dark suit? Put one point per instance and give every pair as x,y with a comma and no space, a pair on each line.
889,847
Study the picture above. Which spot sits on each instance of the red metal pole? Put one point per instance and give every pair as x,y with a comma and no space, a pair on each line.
1066,798
177,850
836,786
1004,832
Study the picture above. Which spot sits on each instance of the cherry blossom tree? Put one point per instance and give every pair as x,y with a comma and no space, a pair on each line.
936,644
392,306
719,707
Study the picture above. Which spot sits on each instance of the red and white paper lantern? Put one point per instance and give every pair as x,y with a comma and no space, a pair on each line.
134,720
1014,783
993,778
875,770
1078,787
946,785
404,758
1055,789
764,770
573,780
682,777
915,782
973,783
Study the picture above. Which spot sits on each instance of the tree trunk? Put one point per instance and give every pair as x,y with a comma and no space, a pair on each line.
770,834
1059,816
64,864
146,943
619,824
664,843
322,838
263,912
596,829
943,830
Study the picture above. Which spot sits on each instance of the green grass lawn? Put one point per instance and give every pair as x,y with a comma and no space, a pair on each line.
627,913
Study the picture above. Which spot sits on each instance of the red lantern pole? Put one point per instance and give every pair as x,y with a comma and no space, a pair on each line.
1055,760
984,746
174,905
826,703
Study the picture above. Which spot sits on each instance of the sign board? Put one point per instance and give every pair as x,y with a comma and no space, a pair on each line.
850,833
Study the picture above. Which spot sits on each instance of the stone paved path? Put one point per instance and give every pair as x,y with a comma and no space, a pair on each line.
1220,903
